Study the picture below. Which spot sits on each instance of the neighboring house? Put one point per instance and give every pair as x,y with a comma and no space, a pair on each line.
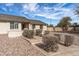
13,25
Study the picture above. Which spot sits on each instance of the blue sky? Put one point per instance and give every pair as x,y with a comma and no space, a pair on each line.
50,13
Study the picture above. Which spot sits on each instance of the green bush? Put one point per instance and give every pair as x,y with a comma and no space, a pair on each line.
28,33
68,40
50,42
39,32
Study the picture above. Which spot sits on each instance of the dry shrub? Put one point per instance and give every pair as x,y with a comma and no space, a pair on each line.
28,33
39,32
50,42
68,40
58,36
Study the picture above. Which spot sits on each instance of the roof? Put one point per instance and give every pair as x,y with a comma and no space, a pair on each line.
5,17
37,22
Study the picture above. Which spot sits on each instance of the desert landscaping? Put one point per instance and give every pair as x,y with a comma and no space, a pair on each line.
23,46
39,29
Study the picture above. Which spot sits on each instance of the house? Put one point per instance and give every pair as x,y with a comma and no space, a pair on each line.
13,25
36,24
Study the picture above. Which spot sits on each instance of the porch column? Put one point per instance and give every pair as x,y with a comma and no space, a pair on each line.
44,27
30,26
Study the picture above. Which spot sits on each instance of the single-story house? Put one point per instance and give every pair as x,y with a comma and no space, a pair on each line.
36,24
13,25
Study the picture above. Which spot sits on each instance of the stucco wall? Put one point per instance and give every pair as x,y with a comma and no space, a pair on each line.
50,29
70,28
30,26
44,27
37,26
58,29
4,27
20,26
14,33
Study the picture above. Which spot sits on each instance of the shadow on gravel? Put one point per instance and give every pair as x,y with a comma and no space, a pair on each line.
42,46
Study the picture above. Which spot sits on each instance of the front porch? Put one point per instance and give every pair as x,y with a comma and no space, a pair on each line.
25,25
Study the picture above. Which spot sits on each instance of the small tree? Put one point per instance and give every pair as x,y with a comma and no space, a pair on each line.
64,23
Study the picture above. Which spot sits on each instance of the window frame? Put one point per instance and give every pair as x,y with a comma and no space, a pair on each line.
33,26
14,25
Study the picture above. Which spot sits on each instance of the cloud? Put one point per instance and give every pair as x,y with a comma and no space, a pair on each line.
9,4
54,14
31,7
4,9
60,5
47,8
62,9
48,16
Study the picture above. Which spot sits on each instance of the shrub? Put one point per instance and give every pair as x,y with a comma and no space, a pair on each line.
39,32
58,36
50,42
28,33
46,32
68,40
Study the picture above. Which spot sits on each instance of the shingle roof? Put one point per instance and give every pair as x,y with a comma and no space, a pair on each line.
5,17
37,22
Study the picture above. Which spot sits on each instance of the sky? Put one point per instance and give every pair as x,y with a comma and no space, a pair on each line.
50,13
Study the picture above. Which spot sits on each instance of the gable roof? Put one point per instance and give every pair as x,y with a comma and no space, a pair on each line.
37,22
5,17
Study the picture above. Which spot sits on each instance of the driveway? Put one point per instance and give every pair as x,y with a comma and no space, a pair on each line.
17,47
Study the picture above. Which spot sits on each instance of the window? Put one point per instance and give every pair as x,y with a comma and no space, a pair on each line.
13,25
33,26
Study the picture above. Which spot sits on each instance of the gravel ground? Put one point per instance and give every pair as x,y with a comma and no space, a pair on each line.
72,50
17,47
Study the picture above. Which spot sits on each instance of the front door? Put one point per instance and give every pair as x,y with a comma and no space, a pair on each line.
25,25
